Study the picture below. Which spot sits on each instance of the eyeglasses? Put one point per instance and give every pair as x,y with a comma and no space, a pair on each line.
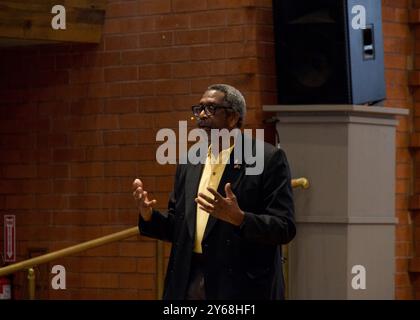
209,109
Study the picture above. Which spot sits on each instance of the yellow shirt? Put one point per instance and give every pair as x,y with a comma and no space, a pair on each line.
212,173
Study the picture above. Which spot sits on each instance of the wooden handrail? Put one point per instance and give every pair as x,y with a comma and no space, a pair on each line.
69,251
300,182
121,235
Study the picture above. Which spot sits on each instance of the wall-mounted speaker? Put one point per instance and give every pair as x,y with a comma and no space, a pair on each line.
329,51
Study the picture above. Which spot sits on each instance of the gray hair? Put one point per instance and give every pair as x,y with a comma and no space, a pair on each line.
234,98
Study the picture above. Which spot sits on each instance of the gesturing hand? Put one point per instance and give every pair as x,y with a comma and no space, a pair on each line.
144,205
226,209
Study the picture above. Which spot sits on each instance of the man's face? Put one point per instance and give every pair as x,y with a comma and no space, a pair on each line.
222,118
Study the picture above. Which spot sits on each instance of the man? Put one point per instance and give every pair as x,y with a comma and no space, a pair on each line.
226,227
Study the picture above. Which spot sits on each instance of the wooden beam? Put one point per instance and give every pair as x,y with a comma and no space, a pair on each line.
31,20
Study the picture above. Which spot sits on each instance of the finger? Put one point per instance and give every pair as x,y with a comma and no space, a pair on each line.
207,198
204,204
148,202
138,193
137,183
228,190
146,198
217,195
206,210
151,203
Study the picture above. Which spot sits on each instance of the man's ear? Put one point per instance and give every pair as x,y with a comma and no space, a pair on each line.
233,119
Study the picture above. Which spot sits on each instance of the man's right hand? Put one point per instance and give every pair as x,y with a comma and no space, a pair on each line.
144,205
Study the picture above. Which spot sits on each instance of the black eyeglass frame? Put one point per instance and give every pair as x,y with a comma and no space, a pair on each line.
209,112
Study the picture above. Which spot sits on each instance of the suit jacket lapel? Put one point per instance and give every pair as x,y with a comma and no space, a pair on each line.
192,181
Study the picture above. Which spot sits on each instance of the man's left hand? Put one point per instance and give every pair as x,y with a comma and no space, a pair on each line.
226,209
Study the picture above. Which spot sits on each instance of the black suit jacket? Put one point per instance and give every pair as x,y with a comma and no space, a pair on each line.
240,262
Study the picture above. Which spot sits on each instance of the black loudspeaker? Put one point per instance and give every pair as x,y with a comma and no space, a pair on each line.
329,51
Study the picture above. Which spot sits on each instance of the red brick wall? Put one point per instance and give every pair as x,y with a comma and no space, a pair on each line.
78,124
398,46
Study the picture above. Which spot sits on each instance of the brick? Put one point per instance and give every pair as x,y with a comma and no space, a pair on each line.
152,7
401,264
103,153
85,202
220,4
163,71
137,249
164,183
103,59
87,75
188,5
173,54
121,42
52,171
121,201
145,152
156,104
119,265
401,202
36,186
121,74
136,25
397,46
395,14
120,138
402,233
37,218
121,169
402,249
395,61
20,202
128,105
89,169
395,30
138,88
402,280
191,70
89,106
57,202
130,121
85,139
262,16
403,139
404,294
104,90
105,185
66,155
173,86
19,171
146,136
156,39
139,281
69,186
143,56
208,19
99,280
208,52
403,186
172,22
122,9
240,50
191,37
146,265
148,168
